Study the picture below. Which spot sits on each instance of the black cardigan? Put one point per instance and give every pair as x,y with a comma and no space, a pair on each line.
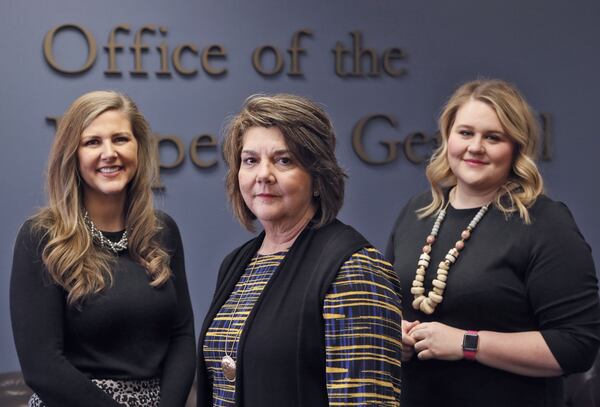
282,346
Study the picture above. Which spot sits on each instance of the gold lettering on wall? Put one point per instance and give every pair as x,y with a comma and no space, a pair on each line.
139,48
257,57
49,48
142,49
213,52
295,52
112,48
203,142
358,140
177,59
179,147
359,56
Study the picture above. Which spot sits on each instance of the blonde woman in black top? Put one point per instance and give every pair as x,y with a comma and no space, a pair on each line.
500,288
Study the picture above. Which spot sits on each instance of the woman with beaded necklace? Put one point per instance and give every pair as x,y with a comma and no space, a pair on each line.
100,308
503,287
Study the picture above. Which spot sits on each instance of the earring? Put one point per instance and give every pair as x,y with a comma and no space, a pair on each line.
316,193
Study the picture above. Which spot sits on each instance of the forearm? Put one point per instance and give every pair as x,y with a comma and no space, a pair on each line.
524,353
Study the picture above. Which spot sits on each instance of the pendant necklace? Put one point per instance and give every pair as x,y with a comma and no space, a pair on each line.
228,364
427,303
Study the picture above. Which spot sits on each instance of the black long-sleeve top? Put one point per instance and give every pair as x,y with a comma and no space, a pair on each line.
510,277
128,331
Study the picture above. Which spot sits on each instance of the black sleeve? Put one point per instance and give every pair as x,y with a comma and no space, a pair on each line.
37,308
563,288
180,362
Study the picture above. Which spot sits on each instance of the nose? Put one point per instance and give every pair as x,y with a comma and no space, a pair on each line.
476,145
108,151
265,172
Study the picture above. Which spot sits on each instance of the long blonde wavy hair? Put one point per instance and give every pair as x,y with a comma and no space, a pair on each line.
69,254
524,183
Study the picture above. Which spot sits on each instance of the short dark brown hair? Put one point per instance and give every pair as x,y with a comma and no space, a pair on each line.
310,137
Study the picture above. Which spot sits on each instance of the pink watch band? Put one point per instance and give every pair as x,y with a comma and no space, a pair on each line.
470,353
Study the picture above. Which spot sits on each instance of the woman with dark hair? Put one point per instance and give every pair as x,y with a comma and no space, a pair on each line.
306,313
99,303
505,295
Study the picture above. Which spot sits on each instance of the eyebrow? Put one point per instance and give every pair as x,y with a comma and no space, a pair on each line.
94,135
468,126
281,151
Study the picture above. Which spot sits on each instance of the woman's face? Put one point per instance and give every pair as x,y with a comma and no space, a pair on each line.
480,154
275,187
107,155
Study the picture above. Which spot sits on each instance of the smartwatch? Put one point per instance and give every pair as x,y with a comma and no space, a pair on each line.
470,344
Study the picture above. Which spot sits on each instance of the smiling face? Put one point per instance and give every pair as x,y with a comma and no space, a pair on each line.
480,154
274,186
107,156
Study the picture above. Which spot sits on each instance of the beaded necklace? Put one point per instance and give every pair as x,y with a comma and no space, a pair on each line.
434,297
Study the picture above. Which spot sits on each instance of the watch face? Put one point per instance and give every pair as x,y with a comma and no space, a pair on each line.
470,342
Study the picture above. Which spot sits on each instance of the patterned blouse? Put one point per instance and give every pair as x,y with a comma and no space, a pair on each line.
362,316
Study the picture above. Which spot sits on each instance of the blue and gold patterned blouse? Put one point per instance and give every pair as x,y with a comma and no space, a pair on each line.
362,333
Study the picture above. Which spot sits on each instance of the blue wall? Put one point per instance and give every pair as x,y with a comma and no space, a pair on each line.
549,49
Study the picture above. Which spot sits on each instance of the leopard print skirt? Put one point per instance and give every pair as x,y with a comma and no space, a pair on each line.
128,393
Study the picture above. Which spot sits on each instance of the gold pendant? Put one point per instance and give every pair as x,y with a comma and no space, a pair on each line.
228,367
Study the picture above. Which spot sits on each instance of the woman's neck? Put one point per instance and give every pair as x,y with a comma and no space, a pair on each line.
279,236
463,198
107,213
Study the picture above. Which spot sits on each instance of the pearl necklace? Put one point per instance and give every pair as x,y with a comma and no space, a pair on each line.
102,240
434,297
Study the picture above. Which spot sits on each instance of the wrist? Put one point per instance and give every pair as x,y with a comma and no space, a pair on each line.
470,345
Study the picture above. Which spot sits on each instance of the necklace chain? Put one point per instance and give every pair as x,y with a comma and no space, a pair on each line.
427,303
228,363
102,240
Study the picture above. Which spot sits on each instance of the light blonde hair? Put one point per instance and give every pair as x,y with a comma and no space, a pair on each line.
71,258
309,135
524,183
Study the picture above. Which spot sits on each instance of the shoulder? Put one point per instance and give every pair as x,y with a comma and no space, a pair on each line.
240,250
370,262
167,225
421,199
545,207
31,236
408,211
368,271
416,202
165,220
168,232
554,228
549,215
236,256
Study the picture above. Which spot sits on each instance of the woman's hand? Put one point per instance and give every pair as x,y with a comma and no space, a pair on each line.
408,341
433,340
